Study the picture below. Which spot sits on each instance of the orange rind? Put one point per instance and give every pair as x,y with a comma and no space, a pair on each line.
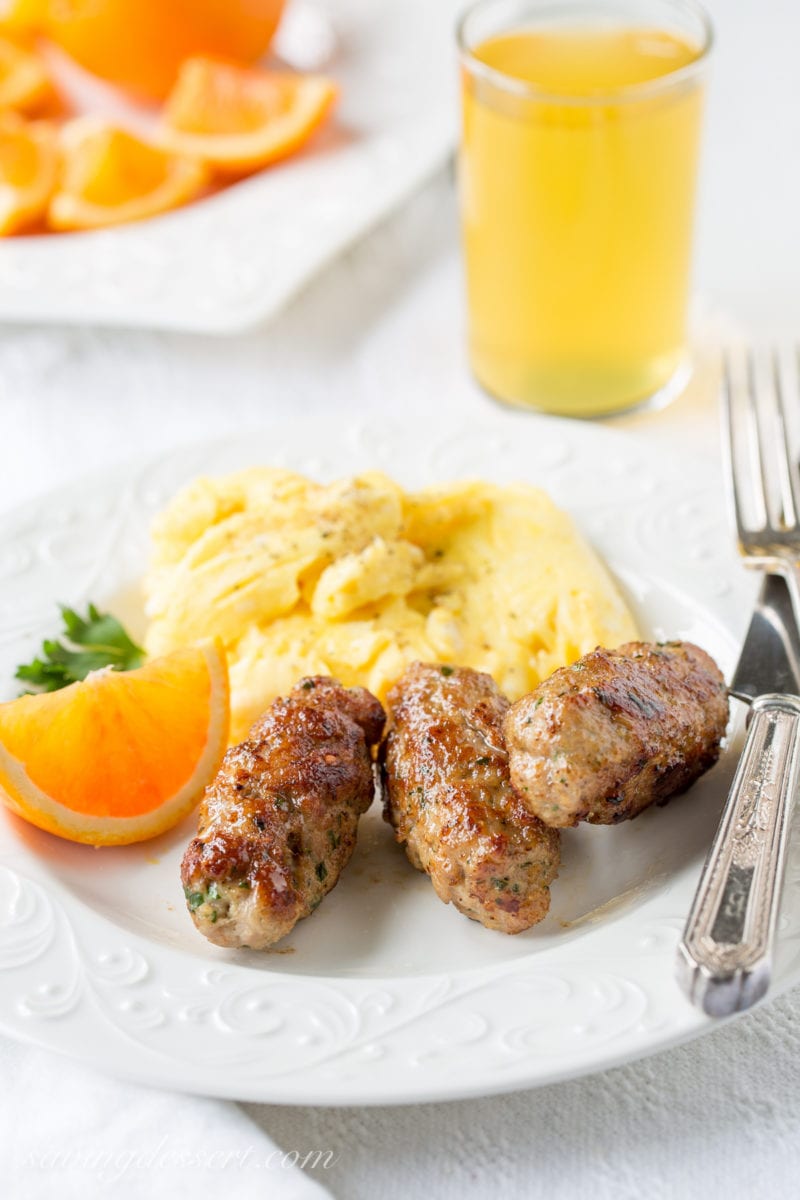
239,120
123,755
110,176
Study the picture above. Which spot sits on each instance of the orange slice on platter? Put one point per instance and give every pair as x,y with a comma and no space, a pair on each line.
122,756
25,84
28,171
238,119
110,176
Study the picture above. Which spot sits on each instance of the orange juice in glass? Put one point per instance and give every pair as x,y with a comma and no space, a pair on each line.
581,125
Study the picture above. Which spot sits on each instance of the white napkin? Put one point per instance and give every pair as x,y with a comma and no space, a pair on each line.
68,1131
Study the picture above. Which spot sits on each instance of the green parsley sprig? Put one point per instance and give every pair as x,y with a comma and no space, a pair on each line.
86,644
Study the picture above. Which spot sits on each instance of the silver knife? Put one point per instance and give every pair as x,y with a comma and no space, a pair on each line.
725,956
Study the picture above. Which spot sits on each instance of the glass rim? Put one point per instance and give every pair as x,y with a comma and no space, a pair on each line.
525,90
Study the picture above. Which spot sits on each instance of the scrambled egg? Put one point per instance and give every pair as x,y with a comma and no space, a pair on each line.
358,578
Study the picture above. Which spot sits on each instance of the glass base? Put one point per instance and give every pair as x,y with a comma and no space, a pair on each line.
606,405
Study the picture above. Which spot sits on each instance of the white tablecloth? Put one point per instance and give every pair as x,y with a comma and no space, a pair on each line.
381,332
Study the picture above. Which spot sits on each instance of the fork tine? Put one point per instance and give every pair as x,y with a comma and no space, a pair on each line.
787,471
741,423
758,415
729,441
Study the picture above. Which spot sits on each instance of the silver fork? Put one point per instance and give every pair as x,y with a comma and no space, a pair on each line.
762,473
724,960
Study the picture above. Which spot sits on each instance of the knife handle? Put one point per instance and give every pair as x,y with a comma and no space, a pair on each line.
725,955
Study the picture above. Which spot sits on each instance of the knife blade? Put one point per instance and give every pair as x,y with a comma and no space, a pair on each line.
724,961
770,657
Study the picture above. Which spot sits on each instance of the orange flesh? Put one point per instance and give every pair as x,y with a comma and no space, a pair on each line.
110,176
118,166
240,120
227,103
119,744
20,159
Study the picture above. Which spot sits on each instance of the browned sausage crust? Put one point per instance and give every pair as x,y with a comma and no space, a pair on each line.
279,822
618,730
450,800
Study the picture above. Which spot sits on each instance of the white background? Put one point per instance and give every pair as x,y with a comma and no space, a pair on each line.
381,332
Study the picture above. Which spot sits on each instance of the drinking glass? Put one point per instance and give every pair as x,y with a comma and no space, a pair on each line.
578,161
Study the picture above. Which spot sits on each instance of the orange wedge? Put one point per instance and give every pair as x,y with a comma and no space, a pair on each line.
122,756
239,120
24,82
110,176
28,171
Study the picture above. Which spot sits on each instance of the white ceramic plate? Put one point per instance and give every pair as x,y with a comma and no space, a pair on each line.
226,263
386,995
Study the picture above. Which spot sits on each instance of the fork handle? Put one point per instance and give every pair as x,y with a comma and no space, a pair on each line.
725,955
